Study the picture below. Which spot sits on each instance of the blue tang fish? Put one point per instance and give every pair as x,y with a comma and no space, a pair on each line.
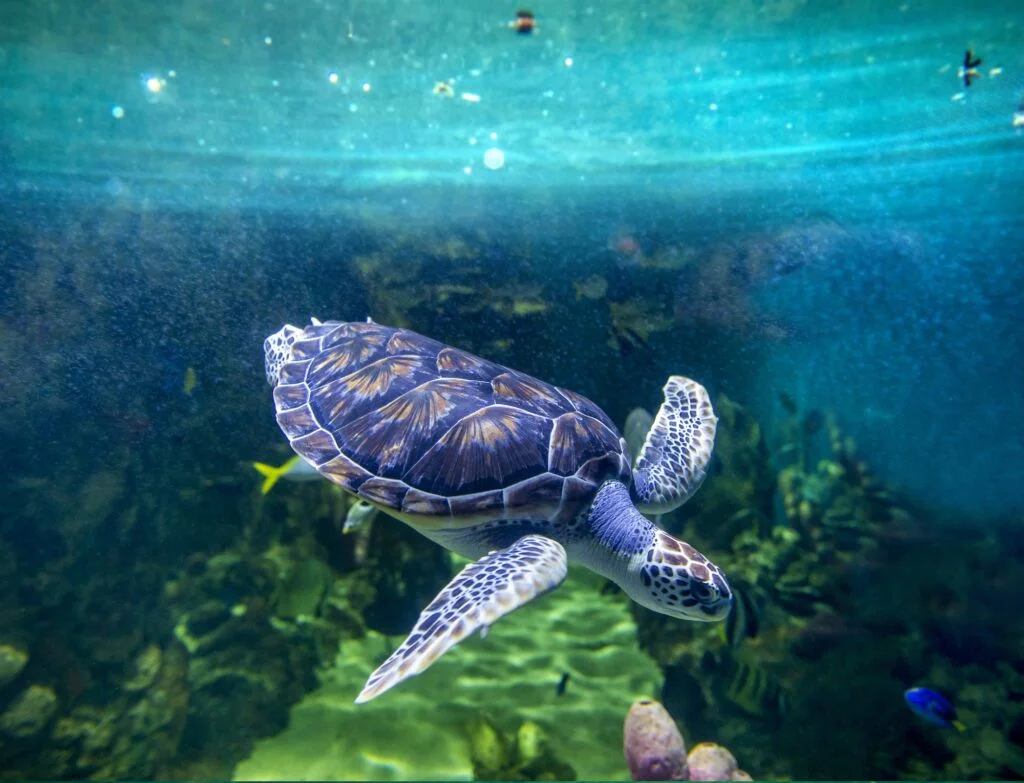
933,707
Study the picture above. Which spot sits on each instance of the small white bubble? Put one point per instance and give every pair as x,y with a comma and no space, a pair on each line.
494,136
171,73
367,87
713,107
154,84
568,62
117,112
268,40
353,107
467,170
275,83
332,77
494,159
472,140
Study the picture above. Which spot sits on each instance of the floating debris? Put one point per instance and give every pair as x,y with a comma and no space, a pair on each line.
444,89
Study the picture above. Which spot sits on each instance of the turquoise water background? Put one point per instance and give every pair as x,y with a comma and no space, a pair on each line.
678,122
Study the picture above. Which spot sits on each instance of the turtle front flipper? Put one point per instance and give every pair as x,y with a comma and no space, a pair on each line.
482,592
674,459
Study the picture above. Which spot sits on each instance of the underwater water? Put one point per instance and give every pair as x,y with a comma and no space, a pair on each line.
806,207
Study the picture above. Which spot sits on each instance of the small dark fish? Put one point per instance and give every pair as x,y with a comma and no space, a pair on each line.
788,403
969,71
562,684
933,707
524,23
813,422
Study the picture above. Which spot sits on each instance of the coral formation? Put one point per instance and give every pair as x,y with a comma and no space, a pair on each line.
655,749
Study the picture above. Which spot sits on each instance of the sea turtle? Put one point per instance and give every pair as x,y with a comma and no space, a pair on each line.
515,473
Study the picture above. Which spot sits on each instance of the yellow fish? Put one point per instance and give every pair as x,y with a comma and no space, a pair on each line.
295,469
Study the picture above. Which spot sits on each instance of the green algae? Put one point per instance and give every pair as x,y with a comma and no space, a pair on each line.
423,728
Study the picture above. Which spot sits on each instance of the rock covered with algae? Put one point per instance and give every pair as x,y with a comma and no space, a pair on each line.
655,749
710,761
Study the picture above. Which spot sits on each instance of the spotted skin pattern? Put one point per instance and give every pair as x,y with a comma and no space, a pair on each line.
484,591
680,577
674,460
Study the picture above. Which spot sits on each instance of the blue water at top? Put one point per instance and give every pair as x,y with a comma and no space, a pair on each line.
729,118
252,100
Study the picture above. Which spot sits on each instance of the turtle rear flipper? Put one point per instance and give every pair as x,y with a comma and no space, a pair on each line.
674,459
482,592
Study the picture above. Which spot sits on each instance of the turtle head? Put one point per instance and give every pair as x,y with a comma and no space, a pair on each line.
673,578
277,349
653,568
